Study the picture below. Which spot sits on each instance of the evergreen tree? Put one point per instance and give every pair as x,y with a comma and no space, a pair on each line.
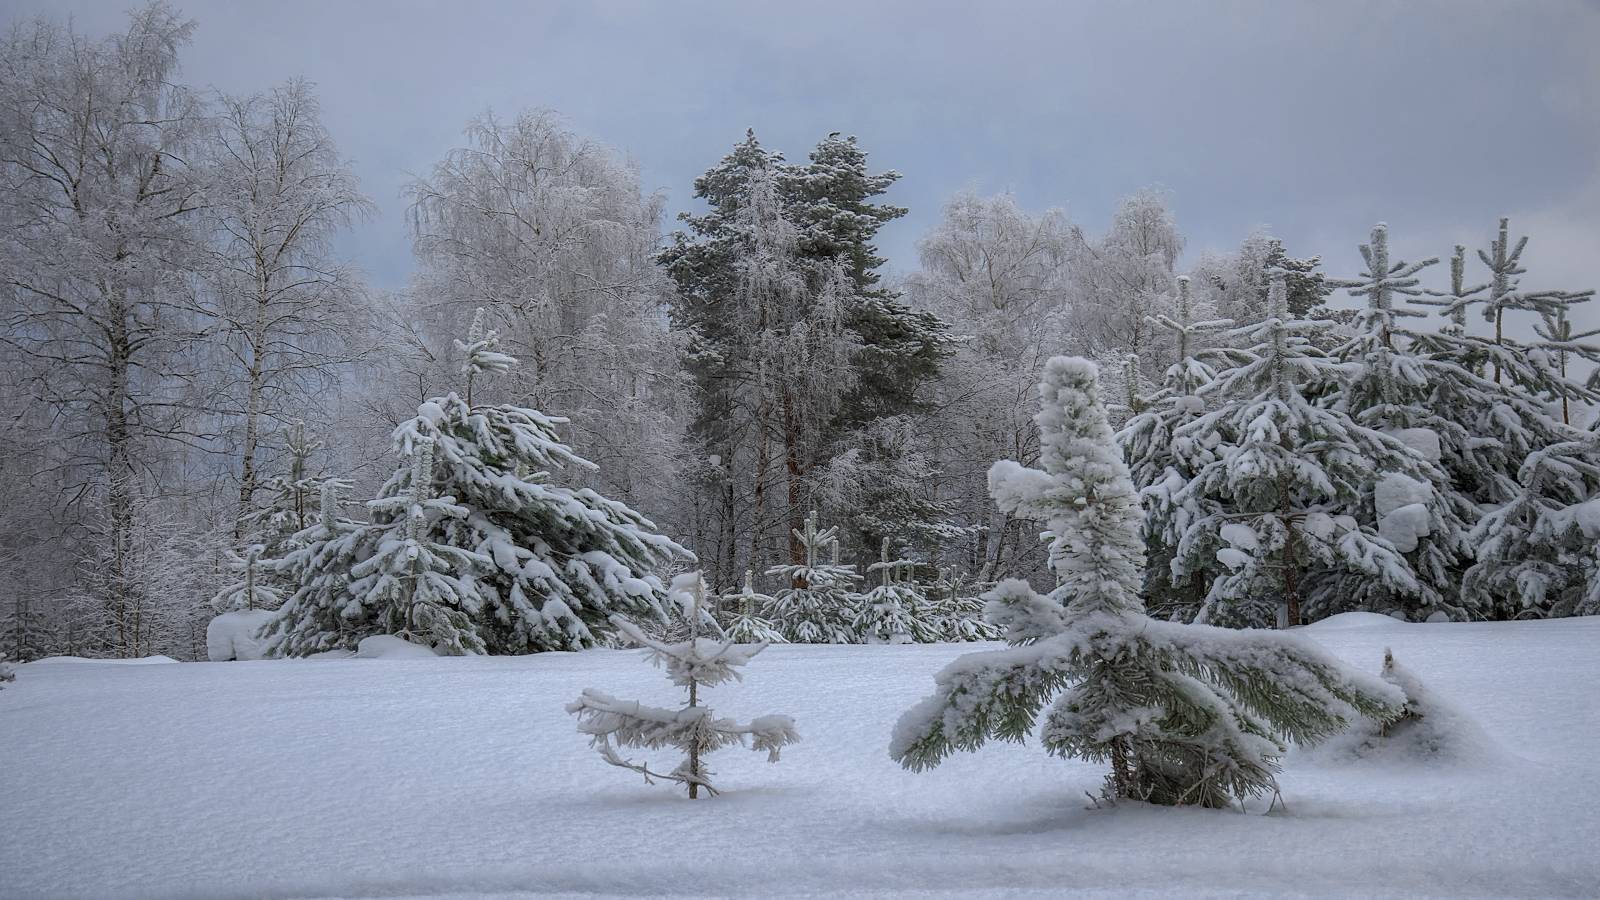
291,505
1185,714
744,617
8,672
1162,465
694,664
1390,390
800,357
894,611
254,590
537,566
818,605
1284,469
1536,555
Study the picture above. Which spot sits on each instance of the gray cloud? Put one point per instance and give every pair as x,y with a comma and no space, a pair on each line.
1314,119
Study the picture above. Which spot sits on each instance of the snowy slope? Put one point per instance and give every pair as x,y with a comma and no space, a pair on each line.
463,777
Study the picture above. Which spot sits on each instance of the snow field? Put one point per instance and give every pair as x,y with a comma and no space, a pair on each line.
463,777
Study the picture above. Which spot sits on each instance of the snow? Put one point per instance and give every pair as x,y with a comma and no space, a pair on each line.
1240,537
387,646
463,777
232,635
1405,527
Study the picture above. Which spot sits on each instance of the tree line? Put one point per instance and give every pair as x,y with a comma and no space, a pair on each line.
189,370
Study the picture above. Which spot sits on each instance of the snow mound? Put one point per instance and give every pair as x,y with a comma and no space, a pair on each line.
387,646
141,661
232,635
1355,620
1432,730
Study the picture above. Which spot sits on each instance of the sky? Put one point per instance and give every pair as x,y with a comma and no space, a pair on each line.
1314,120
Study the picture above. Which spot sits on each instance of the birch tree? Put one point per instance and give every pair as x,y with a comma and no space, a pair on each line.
277,192
100,204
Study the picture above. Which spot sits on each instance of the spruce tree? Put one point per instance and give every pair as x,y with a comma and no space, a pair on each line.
1390,389
536,565
694,664
895,611
817,606
1184,714
1162,465
745,616
1284,469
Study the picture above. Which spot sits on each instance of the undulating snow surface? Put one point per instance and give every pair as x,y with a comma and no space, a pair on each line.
464,777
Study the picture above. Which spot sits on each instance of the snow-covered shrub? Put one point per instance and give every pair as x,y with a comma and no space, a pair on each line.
8,672
1185,714
693,664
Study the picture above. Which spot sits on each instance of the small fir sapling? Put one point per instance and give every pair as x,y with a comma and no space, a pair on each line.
253,590
743,614
960,618
895,612
8,672
694,664
817,606
292,497
1185,714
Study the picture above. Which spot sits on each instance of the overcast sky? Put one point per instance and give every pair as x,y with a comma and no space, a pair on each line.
1315,120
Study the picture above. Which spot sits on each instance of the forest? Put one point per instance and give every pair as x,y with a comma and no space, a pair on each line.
206,410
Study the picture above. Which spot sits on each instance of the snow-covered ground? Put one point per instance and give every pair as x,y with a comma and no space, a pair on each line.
464,777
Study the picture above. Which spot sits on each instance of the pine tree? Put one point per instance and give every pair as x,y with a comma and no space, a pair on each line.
1185,714
694,664
8,672
818,605
744,619
802,359
1536,555
1284,468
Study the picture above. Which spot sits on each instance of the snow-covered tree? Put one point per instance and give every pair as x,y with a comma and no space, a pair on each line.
801,359
694,664
817,604
552,232
1161,465
744,616
1002,277
314,619
1389,387
277,192
895,611
1285,469
1185,714
1536,555
548,563
8,672
254,589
